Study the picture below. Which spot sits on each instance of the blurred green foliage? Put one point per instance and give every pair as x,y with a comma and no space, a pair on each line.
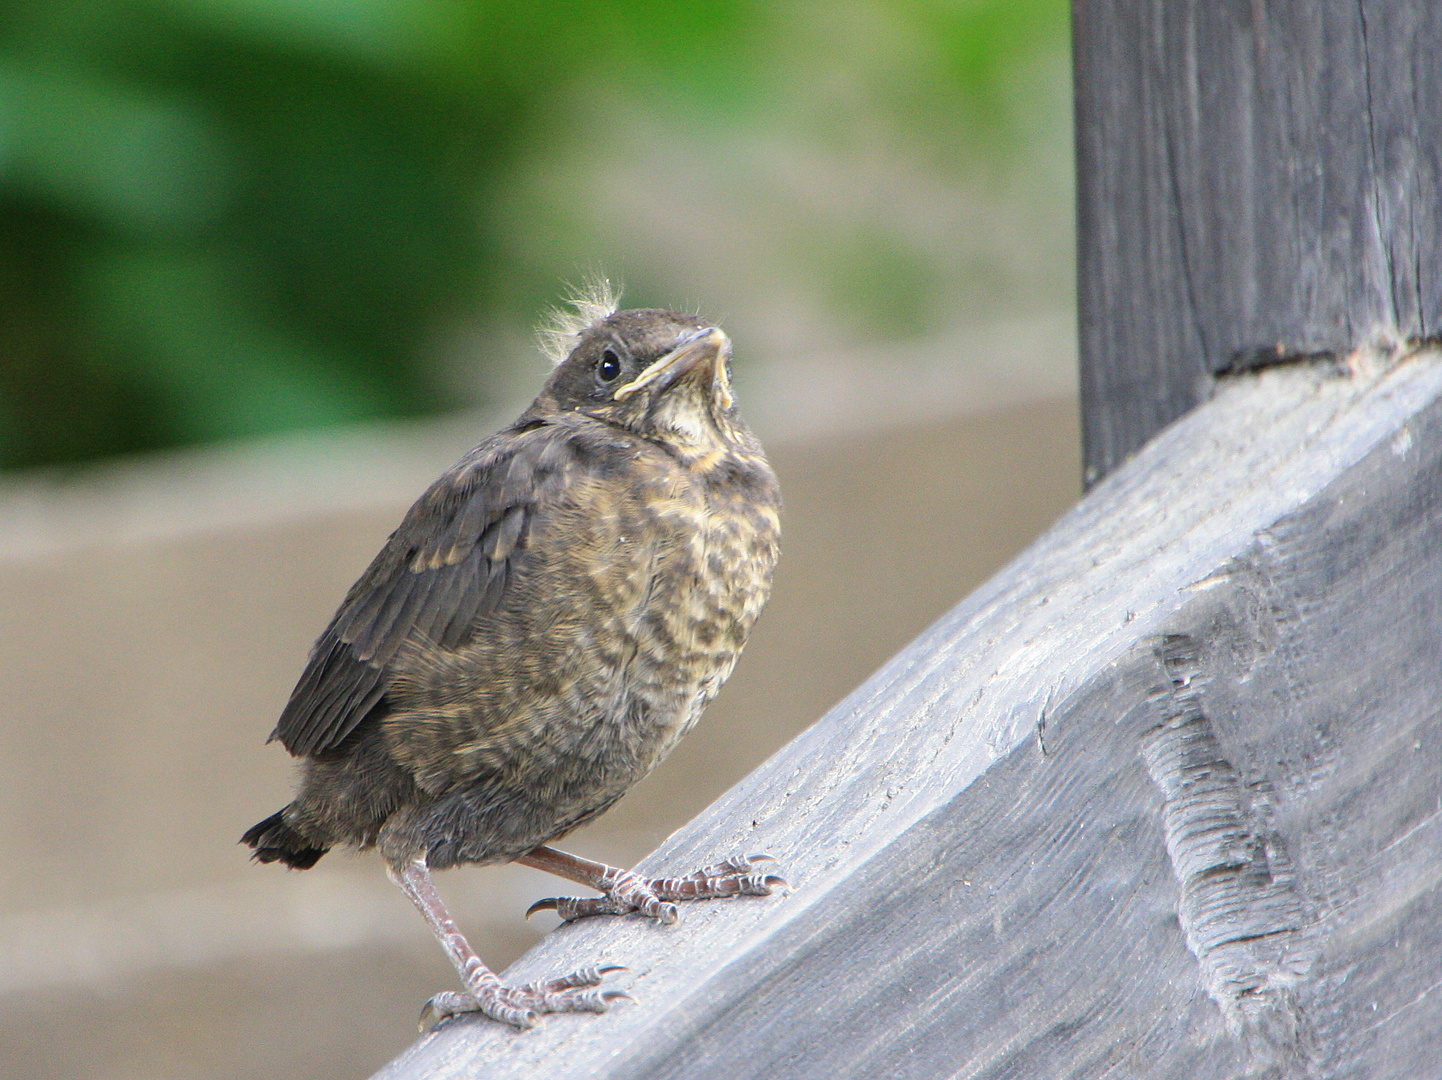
226,217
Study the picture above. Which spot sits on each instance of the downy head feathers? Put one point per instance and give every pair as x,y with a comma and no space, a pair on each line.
596,299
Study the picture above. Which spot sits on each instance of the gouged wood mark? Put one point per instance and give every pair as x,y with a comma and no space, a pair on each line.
1241,912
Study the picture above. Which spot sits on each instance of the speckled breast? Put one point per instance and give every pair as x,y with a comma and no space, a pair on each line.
710,582
700,544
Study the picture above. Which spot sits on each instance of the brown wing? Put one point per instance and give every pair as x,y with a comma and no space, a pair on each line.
448,564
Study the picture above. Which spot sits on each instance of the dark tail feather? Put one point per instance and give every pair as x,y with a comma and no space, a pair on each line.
275,841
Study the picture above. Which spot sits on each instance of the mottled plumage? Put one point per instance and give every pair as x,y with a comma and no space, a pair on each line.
548,620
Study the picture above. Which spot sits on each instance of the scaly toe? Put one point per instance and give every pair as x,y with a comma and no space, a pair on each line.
761,884
664,912
737,864
591,976
736,880
451,1003
522,1006
589,1000
442,1007
580,991
571,908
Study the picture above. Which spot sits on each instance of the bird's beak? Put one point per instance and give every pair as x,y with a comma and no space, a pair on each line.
706,347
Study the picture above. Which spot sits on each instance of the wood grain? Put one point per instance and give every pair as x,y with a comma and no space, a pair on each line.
1256,182
1161,798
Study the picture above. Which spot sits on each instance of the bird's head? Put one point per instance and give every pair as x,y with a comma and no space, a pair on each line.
660,374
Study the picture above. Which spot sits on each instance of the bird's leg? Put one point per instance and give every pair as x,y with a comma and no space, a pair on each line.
626,891
519,1006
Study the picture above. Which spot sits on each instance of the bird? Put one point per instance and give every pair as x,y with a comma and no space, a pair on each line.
550,617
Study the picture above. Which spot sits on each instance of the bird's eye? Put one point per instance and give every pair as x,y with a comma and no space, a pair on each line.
609,367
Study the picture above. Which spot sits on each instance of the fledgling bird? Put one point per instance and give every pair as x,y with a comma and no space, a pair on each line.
550,617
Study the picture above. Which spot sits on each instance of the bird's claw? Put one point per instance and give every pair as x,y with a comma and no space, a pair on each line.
522,1006
732,877
655,897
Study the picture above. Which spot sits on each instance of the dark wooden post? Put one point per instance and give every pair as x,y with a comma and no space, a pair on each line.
1258,182
1164,797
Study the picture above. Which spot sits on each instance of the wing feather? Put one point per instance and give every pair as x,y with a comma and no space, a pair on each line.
394,622
458,607
446,566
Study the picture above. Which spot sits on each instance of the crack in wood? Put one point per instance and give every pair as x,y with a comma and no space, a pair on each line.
1255,358
1239,907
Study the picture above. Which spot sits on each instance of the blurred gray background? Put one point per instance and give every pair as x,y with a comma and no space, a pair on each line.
268,266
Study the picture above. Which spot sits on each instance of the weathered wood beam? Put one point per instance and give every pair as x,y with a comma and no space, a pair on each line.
1255,182
1163,798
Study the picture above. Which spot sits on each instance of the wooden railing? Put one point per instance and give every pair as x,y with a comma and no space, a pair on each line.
1163,798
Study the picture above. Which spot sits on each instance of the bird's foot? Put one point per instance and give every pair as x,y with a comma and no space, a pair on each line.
522,1006
626,891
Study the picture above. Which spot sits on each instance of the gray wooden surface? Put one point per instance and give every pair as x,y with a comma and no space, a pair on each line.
1256,181
1163,798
